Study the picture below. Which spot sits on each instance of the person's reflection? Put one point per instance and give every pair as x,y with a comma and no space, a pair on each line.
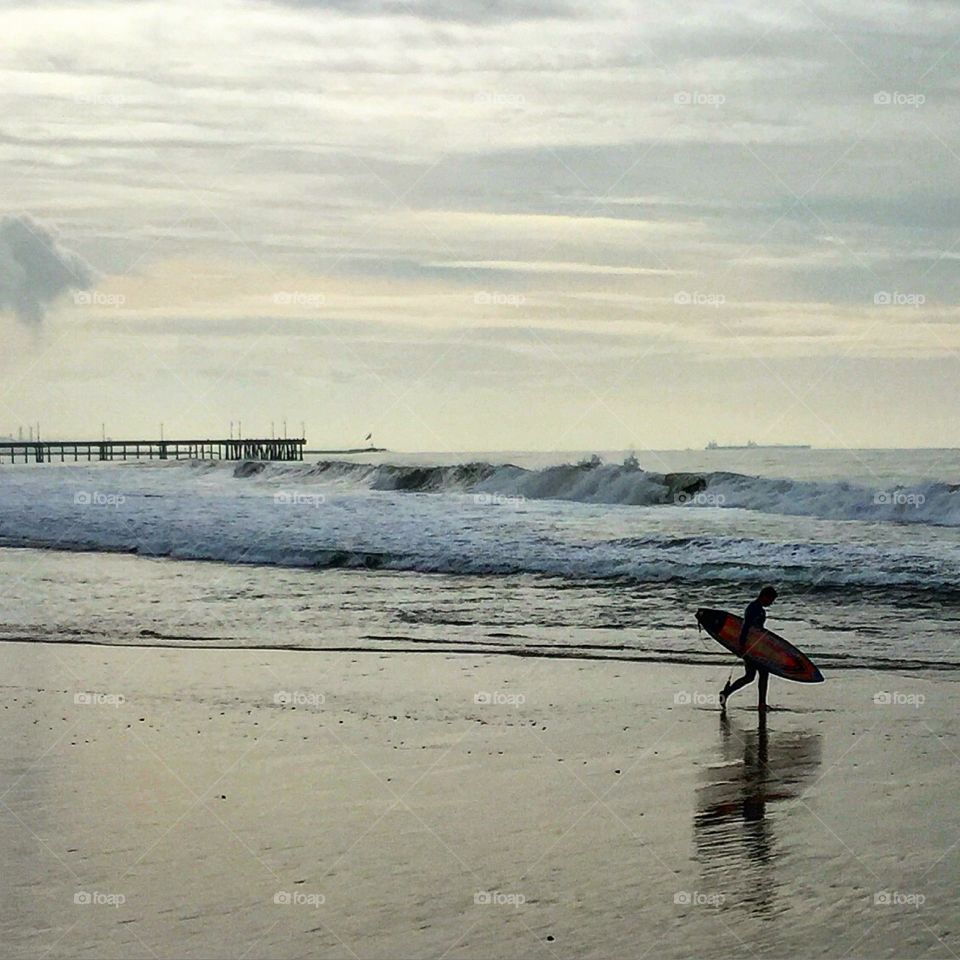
733,832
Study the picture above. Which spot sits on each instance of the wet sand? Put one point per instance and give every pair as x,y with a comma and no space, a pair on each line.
208,803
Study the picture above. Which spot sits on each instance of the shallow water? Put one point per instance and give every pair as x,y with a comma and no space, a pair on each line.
69,596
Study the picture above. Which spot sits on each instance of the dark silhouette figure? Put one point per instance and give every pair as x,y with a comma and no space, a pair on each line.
754,616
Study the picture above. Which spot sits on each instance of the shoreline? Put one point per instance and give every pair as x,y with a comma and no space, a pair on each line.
536,652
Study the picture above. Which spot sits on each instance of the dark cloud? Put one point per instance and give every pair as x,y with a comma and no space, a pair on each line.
35,270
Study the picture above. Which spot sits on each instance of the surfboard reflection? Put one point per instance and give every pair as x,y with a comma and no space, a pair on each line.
733,827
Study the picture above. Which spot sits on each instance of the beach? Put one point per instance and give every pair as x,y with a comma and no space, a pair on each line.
268,803
464,711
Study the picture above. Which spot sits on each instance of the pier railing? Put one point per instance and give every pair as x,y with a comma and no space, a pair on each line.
61,451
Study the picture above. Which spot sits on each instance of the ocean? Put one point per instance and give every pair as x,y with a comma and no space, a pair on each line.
566,554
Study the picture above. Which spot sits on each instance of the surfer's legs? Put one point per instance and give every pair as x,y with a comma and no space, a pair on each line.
748,677
762,690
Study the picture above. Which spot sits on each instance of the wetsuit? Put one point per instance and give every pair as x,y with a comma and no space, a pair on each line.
754,616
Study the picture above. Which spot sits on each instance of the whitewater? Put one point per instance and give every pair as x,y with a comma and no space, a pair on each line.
886,528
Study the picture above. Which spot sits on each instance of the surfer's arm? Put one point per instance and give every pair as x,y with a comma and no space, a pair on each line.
750,619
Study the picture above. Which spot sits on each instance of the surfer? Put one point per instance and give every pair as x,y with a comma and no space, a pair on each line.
754,616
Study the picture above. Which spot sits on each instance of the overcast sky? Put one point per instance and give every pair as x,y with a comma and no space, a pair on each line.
483,225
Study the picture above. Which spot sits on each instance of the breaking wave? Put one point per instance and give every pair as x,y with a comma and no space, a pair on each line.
935,503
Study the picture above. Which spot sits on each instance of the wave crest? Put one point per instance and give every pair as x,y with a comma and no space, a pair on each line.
929,503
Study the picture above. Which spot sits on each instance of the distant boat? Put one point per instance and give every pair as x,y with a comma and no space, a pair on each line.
751,445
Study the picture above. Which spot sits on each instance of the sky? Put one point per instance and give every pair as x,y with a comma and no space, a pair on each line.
538,224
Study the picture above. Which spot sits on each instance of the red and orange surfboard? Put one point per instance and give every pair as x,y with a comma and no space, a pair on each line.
764,648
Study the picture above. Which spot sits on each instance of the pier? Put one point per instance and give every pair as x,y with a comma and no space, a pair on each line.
62,451
327,453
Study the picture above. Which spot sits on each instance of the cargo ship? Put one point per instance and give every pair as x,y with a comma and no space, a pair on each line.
751,445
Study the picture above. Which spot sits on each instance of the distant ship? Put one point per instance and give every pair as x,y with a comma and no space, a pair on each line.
751,445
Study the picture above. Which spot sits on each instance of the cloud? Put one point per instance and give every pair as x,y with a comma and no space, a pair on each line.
472,11
552,266
35,270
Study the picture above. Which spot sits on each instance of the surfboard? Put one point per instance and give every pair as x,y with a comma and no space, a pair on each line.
764,647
